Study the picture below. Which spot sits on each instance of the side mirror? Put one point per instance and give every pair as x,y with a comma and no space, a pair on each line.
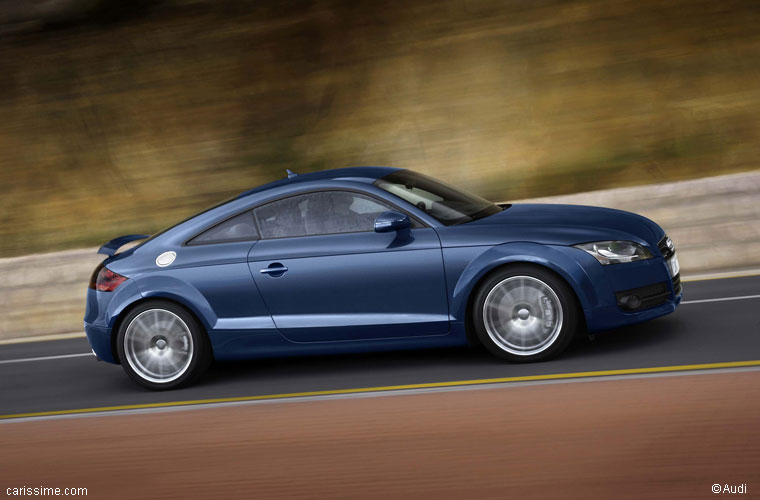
390,221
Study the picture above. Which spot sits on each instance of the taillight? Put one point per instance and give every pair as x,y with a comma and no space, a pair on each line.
105,280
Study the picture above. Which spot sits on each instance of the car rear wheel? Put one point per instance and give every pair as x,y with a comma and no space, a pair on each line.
162,346
525,313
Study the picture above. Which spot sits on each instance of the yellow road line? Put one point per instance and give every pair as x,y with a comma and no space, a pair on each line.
387,388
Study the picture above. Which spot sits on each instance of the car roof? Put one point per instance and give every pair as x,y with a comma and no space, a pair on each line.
336,173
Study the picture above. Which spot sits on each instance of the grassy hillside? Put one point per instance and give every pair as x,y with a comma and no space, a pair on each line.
127,125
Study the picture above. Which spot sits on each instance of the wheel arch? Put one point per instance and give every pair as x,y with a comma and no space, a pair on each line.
119,318
515,254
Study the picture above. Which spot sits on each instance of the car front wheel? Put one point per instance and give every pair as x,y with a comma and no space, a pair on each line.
525,313
162,346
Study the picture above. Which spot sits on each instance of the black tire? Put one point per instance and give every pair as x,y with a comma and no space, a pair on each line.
193,335
535,276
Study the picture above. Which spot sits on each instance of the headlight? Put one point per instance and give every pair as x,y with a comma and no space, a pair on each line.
615,252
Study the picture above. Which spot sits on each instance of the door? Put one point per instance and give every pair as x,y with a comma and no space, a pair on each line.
325,275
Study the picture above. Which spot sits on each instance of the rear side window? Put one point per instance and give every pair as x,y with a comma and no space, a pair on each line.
239,228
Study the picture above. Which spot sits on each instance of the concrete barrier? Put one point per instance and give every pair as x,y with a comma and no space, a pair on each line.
44,293
714,222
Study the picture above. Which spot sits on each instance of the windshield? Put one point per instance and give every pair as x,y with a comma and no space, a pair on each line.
445,203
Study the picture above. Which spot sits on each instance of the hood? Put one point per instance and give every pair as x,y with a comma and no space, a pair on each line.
576,222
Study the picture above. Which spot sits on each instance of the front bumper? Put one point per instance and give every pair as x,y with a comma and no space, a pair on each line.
608,318
610,283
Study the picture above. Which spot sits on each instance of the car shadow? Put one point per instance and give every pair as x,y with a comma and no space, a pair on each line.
604,349
648,335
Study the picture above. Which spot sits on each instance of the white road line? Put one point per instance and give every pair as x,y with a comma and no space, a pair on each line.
721,299
45,358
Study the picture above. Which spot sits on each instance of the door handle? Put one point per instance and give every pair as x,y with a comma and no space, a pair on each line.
275,269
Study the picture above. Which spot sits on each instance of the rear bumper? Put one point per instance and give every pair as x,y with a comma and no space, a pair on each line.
100,341
100,316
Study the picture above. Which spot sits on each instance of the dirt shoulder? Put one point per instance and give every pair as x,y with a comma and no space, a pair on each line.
668,437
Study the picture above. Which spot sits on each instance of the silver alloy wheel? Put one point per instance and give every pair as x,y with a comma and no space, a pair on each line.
522,315
158,345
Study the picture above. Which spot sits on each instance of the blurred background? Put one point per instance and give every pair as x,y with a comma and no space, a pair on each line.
125,116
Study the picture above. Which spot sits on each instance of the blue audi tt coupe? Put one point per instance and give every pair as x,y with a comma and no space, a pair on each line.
371,258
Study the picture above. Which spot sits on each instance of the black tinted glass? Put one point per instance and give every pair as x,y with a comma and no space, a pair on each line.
324,212
238,228
447,204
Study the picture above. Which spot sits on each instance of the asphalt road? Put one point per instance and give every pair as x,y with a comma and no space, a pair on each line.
702,330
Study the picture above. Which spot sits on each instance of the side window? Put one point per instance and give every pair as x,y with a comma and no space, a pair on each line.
324,212
238,228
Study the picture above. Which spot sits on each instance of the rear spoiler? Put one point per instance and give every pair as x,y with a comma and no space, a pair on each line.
109,248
